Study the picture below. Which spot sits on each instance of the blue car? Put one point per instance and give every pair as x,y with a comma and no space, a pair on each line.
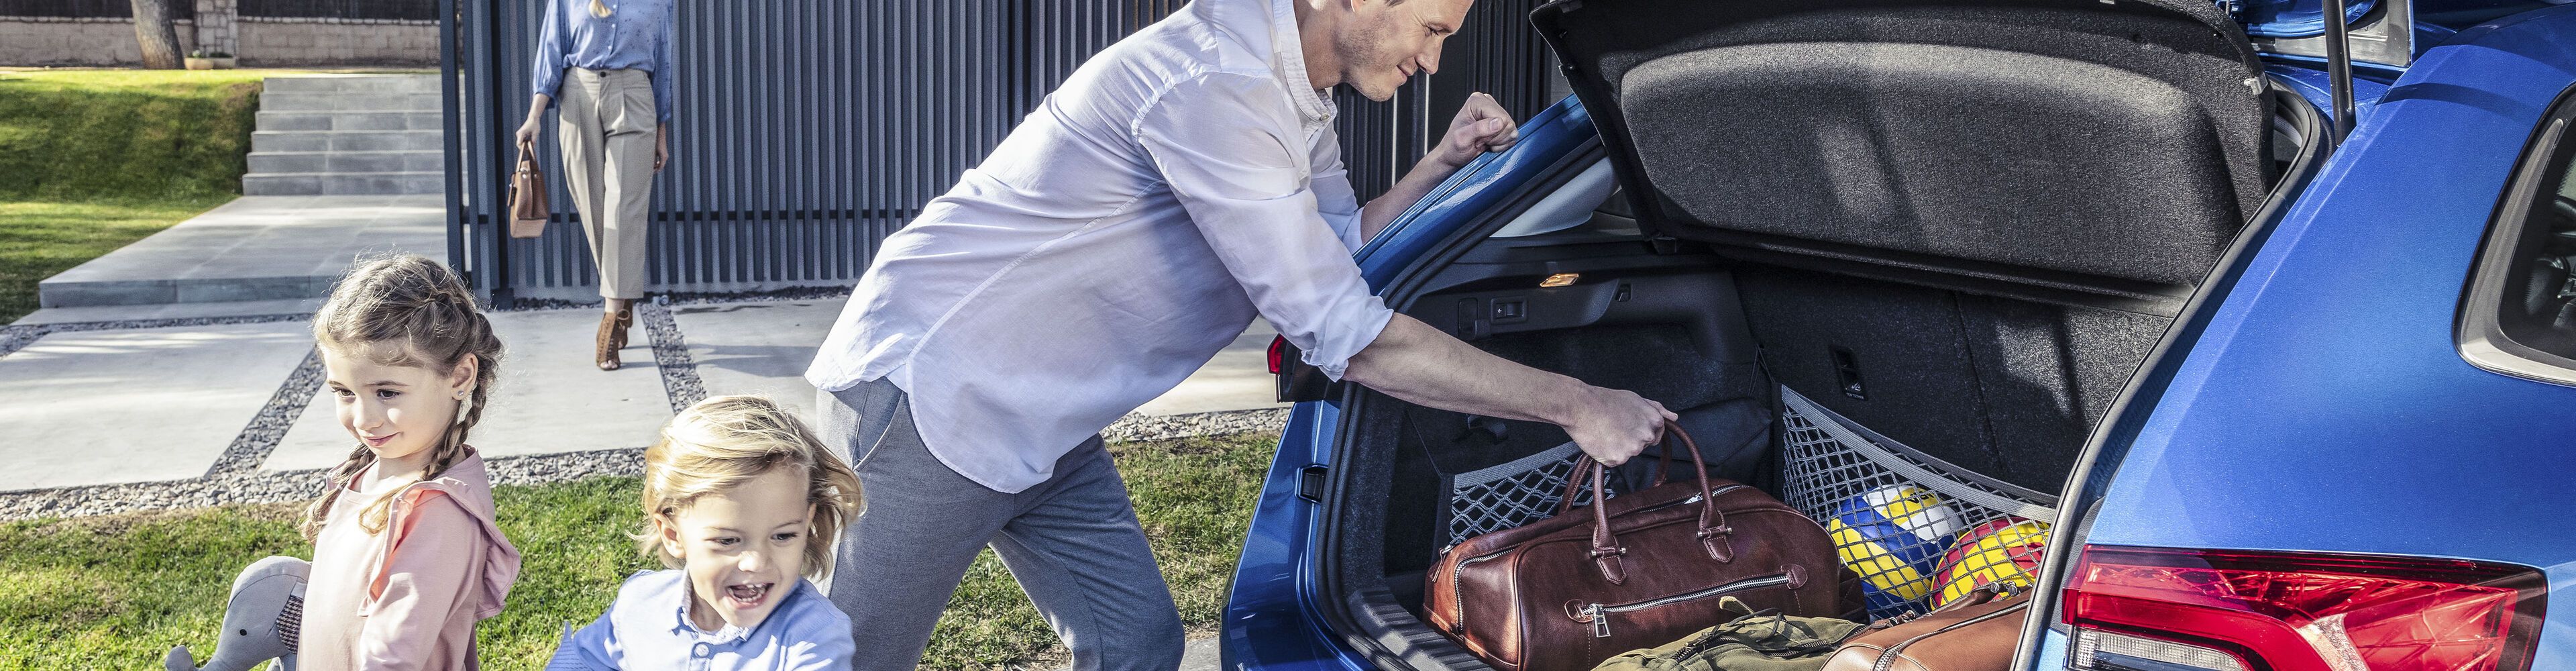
2243,338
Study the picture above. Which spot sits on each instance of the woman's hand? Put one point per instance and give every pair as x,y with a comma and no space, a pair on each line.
661,146
537,105
528,131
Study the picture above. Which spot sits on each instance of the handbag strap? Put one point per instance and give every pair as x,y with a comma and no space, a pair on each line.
527,156
1713,531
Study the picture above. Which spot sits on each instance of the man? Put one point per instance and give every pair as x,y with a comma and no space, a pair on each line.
1182,182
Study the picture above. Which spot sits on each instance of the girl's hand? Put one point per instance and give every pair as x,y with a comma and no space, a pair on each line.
661,146
528,131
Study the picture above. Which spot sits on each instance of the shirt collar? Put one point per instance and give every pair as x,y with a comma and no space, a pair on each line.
1288,57
726,635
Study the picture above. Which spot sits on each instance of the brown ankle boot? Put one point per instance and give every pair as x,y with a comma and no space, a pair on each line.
612,337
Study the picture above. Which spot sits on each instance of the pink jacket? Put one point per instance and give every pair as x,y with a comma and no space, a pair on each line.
408,598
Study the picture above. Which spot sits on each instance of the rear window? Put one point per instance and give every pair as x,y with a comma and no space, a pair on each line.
2520,317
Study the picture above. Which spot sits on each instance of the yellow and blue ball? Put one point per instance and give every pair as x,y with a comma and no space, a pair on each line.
2005,550
1894,537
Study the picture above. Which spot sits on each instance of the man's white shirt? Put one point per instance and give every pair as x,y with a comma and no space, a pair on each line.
1181,182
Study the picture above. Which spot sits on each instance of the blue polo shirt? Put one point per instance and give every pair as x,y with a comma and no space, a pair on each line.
648,628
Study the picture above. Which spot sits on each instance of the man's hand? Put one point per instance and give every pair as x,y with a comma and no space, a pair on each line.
1613,425
1422,365
1481,126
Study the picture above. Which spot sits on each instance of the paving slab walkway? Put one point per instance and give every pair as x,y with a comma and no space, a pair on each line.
253,249
99,406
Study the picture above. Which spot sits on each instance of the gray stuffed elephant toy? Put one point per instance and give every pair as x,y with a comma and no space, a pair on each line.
261,619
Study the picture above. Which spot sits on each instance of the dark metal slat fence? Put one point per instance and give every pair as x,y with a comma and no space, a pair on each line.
808,130
407,10
88,9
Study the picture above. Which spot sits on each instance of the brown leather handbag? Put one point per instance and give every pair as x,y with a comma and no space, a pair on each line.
1976,632
1636,571
528,209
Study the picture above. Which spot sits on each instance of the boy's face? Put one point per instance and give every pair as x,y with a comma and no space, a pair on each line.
744,549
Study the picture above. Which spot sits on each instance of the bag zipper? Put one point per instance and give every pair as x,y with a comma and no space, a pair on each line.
1598,613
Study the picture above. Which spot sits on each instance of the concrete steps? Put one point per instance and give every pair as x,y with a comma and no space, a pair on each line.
347,135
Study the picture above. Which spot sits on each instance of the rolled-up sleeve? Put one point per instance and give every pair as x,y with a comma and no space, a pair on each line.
662,71
1227,144
545,74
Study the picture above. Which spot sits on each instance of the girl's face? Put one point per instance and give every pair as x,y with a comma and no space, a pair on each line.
399,412
744,548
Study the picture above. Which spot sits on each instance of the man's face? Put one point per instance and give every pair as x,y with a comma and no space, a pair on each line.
1385,45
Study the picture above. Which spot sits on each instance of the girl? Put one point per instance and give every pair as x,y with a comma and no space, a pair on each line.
406,557
608,63
743,503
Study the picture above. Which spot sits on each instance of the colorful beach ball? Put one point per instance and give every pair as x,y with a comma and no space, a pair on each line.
1893,537
2003,550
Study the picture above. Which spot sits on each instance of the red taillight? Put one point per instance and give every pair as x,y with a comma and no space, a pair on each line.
1278,354
2302,612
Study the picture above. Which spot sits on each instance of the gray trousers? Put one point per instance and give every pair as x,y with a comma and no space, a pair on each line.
1072,542
606,129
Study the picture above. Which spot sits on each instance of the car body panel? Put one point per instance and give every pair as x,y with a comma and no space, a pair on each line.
2326,407
1271,616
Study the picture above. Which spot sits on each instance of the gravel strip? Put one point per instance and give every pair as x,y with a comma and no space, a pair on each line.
1165,427
254,486
671,355
268,427
296,485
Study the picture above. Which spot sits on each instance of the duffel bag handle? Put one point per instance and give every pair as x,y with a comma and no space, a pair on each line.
1606,550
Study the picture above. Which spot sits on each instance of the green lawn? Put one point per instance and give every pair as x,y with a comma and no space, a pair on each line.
116,592
93,159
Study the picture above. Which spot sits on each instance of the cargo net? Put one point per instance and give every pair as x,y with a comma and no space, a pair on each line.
1501,497
1917,531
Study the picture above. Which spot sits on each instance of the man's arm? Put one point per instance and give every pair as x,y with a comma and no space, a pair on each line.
1412,361
1480,126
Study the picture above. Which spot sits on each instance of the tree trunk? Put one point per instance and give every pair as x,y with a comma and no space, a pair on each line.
159,36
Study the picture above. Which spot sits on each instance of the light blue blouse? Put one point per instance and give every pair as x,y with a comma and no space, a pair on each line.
648,628
637,34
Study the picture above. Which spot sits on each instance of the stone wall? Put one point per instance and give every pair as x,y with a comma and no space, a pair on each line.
260,41
91,42
267,42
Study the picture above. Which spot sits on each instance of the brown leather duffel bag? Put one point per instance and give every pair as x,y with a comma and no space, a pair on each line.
1636,571
1976,632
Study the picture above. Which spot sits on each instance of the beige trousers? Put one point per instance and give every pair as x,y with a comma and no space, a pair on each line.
607,134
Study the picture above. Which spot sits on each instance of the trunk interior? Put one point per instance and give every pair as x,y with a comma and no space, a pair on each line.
1994,378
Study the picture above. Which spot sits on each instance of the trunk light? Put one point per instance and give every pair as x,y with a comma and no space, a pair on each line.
1278,354
1560,280
2146,609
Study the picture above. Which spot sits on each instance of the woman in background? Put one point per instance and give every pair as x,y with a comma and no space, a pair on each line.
608,62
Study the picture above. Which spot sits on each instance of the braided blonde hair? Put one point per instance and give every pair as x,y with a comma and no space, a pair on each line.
599,8
423,310
725,441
